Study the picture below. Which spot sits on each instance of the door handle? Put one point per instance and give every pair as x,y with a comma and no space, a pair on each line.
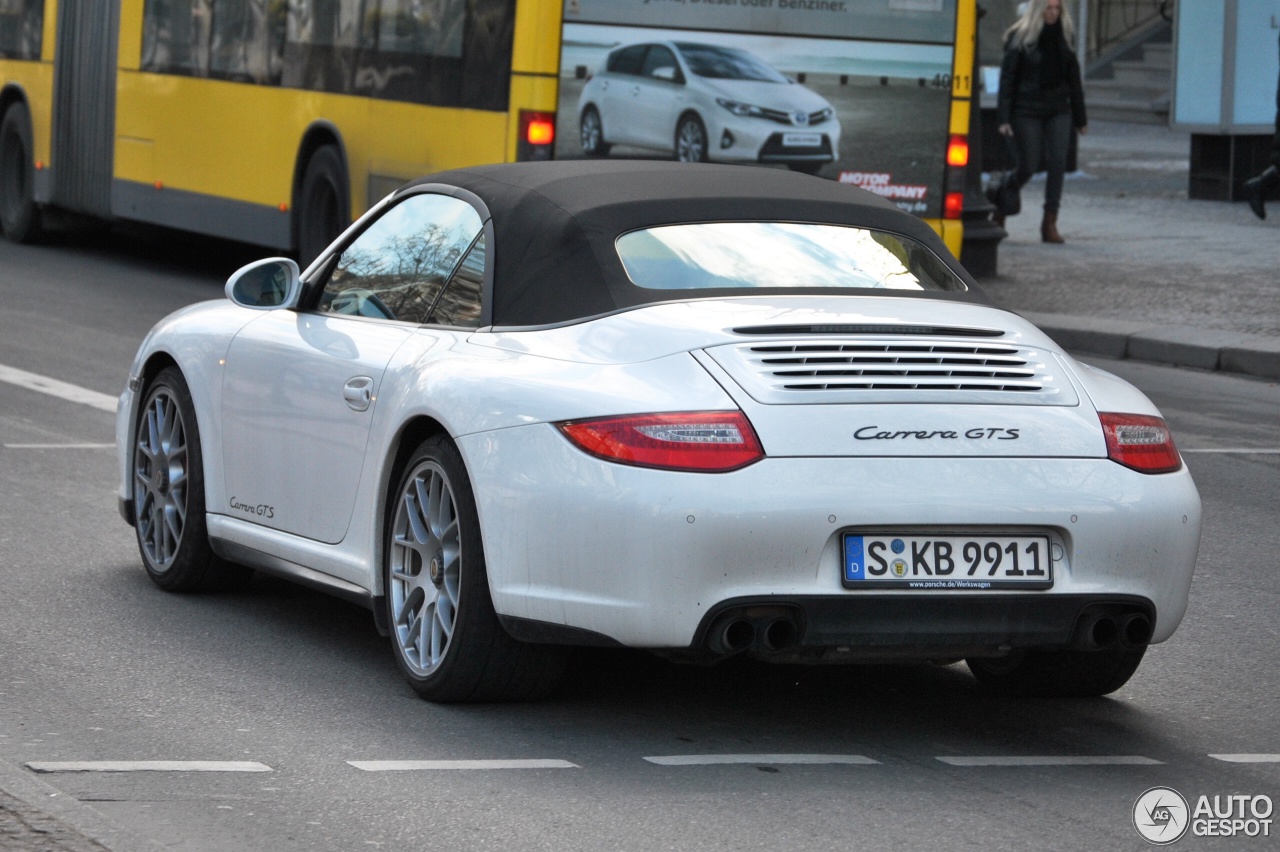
358,393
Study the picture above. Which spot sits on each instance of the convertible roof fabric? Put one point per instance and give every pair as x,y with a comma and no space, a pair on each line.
555,224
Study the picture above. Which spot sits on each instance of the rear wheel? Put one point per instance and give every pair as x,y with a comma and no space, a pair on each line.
591,132
691,140
19,214
1067,673
322,209
168,494
444,630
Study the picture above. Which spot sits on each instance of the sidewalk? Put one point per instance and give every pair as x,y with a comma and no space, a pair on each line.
1146,273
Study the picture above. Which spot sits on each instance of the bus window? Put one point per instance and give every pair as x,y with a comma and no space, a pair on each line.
21,27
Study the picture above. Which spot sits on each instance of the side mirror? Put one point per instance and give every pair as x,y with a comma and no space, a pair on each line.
265,284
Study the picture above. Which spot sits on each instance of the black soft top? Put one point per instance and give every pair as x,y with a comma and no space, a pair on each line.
555,224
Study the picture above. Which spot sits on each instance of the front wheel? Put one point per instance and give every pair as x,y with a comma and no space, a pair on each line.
444,630
691,140
1067,673
168,494
19,214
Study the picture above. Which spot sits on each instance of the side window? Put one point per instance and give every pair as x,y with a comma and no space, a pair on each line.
628,59
460,303
661,64
396,268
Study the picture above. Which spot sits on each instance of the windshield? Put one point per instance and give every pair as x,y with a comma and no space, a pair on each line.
726,63
756,255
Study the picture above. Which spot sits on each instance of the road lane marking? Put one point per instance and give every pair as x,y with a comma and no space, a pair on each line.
59,446
713,759
410,765
147,766
1238,450
62,390
1247,758
1052,760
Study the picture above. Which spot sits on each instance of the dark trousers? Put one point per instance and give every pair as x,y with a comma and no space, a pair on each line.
1043,141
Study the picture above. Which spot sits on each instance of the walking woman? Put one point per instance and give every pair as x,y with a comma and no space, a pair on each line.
1041,99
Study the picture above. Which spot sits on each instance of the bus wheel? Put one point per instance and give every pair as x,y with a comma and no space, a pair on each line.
321,213
19,215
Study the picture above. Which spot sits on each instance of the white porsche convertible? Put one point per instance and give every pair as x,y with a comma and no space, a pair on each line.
702,410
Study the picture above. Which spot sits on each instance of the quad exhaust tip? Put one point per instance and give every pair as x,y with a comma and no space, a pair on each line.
1129,630
761,632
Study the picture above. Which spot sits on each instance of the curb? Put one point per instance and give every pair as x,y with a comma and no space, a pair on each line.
1179,345
89,822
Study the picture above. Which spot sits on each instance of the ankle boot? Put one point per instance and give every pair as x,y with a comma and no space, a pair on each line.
1049,229
1257,188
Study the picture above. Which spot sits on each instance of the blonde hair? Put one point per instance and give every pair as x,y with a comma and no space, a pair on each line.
1025,31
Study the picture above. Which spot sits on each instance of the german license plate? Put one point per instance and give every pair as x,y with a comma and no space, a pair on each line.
802,140
943,562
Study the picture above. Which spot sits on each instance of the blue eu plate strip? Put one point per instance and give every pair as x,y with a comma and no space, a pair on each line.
854,569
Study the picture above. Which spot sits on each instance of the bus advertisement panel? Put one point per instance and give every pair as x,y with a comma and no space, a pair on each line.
854,91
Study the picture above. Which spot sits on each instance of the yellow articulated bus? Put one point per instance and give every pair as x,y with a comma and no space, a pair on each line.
276,122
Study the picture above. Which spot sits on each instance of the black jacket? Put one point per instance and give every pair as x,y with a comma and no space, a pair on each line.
1022,94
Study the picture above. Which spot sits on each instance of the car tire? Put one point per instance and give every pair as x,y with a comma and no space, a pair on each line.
1066,673
322,210
167,472
691,139
19,213
591,133
444,630
806,168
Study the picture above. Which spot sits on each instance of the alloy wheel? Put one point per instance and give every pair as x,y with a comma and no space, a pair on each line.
425,569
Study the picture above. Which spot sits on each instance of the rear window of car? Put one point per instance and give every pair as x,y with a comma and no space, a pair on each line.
760,255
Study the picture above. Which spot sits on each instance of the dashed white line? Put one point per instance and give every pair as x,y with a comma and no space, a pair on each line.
147,766
1052,760
411,765
59,446
1239,451
53,387
714,759
1247,758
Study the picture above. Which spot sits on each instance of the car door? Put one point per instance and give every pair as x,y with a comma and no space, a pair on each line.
618,96
657,98
300,388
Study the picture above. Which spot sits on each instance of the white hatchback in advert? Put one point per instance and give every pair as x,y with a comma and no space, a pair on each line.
704,102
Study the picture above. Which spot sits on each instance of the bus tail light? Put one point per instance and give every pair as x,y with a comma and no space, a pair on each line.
953,205
958,151
700,441
537,135
1140,442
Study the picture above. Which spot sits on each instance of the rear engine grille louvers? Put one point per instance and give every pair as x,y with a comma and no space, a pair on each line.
903,366
898,366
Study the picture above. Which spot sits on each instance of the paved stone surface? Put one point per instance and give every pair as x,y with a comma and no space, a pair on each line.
25,829
1146,272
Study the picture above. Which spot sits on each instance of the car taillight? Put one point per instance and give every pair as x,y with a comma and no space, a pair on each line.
1140,442
537,135
705,441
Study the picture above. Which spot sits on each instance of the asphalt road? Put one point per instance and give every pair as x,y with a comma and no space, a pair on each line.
296,691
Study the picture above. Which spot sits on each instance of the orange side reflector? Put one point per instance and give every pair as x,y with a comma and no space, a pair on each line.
540,132
39,165
953,206
284,208
958,151
159,184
